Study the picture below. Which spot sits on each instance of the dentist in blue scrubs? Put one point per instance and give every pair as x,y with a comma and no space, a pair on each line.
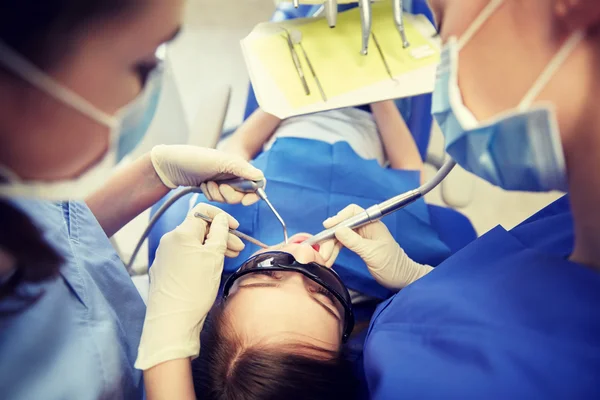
79,82
515,314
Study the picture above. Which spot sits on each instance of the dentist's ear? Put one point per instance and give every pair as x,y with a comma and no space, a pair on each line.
578,14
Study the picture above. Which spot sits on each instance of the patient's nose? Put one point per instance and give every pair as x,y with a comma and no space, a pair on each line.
304,254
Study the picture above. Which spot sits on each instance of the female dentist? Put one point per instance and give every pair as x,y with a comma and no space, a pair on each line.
76,84
515,314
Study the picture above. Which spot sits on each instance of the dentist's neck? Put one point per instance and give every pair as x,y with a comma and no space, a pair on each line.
583,160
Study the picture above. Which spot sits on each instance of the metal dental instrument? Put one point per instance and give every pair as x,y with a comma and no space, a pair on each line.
241,185
248,186
297,39
365,20
385,63
296,3
234,232
296,60
399,21
378,211
331,12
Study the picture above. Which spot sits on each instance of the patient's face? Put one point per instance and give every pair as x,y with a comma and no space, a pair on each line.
286,307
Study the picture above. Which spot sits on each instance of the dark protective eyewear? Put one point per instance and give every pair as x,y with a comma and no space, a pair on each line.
281,261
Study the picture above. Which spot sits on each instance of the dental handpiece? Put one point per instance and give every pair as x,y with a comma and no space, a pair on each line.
248,186
365,20
378,211
399,21
331,12
234,232
371,214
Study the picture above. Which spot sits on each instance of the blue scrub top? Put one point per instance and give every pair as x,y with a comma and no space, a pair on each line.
506,317
80,339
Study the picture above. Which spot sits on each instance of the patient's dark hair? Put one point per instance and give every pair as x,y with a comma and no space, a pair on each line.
228,369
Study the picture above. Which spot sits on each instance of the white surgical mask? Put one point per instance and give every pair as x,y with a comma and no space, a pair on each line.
520,149
127,128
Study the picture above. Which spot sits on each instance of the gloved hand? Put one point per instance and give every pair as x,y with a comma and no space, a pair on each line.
387,262
184,281
185,165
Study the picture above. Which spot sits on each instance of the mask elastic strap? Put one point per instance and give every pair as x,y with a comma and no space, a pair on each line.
483,16
36,77
548,72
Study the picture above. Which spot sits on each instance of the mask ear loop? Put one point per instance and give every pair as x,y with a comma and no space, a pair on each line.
559,58
483,16
33,75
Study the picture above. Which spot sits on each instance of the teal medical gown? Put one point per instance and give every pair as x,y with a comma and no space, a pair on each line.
506,317
80,339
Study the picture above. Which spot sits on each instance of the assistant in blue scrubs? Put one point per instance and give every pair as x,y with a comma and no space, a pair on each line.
77,335
508,316
515,314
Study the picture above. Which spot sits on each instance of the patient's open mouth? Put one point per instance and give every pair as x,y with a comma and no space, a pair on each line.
297,239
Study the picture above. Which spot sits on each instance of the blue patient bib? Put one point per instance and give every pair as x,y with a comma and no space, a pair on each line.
309,181
80,339
507,317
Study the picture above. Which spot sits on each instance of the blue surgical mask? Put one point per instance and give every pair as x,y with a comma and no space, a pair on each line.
520,149
127,128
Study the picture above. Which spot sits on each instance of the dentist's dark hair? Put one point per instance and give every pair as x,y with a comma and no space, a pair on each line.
230,369
43,31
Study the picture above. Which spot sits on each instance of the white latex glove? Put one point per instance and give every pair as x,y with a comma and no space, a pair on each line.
387,262
184,281
185,165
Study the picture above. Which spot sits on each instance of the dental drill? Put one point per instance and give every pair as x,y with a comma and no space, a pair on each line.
378,211
331,12
399,21
365,20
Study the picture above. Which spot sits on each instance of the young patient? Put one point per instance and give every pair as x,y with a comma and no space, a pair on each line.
277,335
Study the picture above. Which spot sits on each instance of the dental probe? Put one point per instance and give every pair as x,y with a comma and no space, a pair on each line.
378,211
385,63
365,20
399,21
248,186
296,61
242,185
234,232
297,39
